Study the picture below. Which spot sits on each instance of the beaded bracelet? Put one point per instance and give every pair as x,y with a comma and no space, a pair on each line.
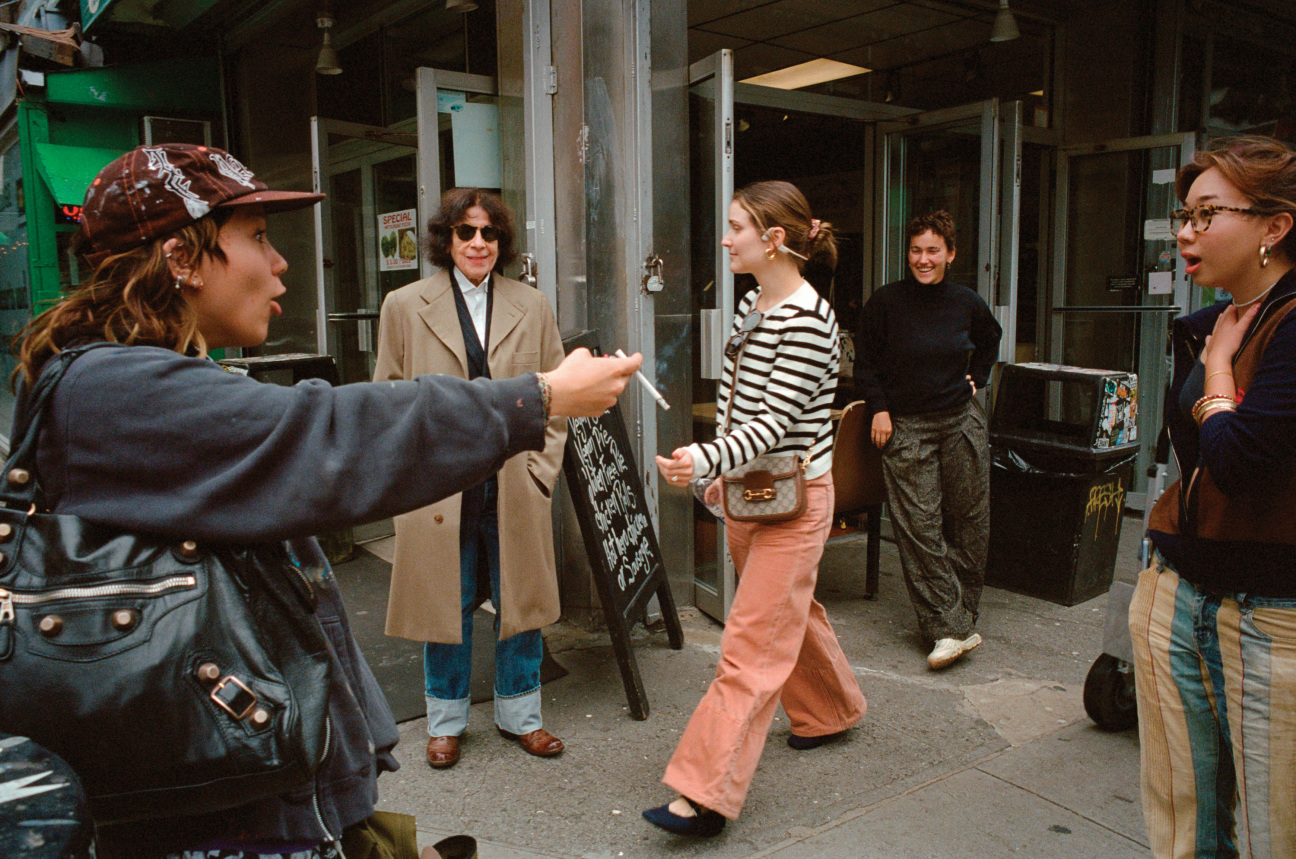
1209,398
546,394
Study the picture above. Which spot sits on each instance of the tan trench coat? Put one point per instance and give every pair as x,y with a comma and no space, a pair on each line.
419,333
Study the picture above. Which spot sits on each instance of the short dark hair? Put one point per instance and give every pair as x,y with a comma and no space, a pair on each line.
939,222
1261,168
455,204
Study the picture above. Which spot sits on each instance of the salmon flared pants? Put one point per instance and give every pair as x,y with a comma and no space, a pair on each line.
777,647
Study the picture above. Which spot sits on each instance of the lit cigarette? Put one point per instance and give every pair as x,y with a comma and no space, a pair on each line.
643,380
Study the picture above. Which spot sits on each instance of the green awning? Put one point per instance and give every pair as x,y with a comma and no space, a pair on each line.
69,170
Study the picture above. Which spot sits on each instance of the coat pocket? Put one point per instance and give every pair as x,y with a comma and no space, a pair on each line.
525,360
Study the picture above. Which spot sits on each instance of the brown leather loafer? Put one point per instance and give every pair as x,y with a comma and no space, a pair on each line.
442,752
539,742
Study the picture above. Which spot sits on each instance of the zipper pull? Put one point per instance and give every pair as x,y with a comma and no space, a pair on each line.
6,624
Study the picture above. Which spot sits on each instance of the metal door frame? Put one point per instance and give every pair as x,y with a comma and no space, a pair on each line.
888,228
714,76
1183,300
321,174
420,134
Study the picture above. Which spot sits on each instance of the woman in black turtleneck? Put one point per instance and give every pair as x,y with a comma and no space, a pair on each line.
924,348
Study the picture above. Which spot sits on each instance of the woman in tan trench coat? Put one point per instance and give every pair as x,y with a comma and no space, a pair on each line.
496,540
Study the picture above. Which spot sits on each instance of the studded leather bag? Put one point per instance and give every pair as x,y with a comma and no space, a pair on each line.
174,677
770,488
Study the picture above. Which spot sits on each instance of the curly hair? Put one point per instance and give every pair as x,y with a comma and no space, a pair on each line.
939,222
781,204
454,207
1261,168
131,298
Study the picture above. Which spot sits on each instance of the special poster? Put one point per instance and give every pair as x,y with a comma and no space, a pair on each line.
398,240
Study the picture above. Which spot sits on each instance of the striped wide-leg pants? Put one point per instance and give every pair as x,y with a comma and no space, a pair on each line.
1216,682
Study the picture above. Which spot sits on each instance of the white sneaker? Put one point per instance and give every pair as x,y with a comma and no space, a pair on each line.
949,650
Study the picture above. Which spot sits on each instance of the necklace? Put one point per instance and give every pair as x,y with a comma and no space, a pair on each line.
1247,304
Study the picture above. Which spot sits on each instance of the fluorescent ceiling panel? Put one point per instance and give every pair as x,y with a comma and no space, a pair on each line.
807,74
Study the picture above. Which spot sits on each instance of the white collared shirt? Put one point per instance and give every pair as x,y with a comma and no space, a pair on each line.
475,298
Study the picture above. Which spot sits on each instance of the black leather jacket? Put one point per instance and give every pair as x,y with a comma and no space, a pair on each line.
145,439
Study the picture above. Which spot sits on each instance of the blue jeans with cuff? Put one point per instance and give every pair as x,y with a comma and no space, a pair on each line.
447,668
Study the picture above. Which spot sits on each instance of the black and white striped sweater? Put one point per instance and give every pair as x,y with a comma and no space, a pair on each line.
783,401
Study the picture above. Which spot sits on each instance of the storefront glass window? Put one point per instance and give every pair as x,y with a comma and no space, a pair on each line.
1231,85
1252,90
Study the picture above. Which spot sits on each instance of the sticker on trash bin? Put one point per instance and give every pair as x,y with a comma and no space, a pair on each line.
1119,423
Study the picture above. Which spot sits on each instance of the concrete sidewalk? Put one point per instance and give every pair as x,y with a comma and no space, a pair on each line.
991,757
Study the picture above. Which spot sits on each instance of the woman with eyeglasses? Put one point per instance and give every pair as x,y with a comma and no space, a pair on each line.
776,392
924,347
494,541
1213,619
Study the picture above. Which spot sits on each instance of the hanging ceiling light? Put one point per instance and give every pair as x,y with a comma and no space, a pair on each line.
461,5
1005,25
328,63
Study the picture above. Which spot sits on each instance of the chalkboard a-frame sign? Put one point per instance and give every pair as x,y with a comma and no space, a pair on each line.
619,537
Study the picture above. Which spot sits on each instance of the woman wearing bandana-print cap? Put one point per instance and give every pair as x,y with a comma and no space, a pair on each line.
155,437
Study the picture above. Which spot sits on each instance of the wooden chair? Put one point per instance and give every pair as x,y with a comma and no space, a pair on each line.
858,484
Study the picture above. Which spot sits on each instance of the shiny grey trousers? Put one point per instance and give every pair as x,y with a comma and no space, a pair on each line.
937,471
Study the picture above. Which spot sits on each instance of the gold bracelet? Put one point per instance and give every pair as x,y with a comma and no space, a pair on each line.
1206,400
1228,373
1211,408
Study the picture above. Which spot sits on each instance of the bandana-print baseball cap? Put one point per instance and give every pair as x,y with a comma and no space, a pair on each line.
152,191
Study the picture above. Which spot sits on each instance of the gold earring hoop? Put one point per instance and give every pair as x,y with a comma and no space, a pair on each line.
770,253
1265,251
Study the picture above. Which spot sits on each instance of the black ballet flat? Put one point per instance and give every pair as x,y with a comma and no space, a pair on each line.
802,744
704,823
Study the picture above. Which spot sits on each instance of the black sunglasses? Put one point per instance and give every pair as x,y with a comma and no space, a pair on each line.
465,232
749,324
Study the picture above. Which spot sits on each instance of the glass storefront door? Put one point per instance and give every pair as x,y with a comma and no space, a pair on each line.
965,160
383,184
1117,277
742,133
711,180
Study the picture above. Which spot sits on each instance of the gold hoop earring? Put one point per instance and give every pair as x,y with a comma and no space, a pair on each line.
1265,251
770,253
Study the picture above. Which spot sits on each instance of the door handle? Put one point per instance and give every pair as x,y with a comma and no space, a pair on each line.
528,275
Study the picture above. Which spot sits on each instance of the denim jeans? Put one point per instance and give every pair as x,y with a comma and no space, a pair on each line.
447,668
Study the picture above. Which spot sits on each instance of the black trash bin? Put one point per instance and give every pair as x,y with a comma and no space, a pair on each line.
290,369
1062,446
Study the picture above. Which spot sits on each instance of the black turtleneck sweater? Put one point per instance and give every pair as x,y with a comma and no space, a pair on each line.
917,344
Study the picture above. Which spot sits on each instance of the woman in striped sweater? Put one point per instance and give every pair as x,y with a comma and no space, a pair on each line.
775,398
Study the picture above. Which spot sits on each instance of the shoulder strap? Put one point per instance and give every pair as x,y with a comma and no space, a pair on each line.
733,385
19,488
